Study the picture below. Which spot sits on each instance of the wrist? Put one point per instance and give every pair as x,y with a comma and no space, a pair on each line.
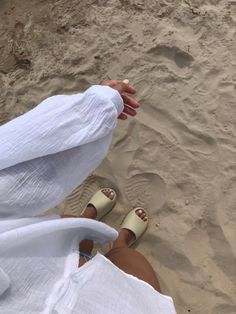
110,94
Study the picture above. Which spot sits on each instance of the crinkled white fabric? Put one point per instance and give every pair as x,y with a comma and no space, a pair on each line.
101,287
44,155
47,152
38,259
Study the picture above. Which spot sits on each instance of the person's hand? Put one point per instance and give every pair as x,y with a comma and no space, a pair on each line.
130,104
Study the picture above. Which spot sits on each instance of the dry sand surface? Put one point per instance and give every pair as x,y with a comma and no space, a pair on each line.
177,157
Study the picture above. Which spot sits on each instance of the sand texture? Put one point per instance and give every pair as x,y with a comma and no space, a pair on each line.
177,157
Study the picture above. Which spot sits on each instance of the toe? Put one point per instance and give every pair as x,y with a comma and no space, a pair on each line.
142,214
145,218
109,193
105,192
139,212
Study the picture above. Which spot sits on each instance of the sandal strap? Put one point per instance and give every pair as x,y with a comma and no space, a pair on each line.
135,224
102,203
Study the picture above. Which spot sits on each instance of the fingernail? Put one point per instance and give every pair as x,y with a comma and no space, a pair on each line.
126,81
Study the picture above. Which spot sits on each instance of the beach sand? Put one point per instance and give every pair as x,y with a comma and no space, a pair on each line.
177,156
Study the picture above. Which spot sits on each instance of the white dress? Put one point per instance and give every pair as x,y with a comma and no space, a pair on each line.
44,155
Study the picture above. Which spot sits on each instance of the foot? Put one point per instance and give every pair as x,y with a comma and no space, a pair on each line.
86,246
90,211
127,236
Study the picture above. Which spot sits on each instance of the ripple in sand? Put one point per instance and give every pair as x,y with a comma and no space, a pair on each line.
147,190
78,199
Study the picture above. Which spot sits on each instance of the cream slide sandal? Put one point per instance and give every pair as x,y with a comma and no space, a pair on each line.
135,224
102,203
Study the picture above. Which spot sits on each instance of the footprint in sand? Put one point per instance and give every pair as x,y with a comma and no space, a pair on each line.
52,84
179,57
79,198
19,48
195,252
175,129
147,190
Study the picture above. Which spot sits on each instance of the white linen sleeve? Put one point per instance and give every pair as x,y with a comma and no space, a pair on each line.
59,123
49,151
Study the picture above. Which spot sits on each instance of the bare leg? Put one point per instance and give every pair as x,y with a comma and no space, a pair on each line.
131,261
86,246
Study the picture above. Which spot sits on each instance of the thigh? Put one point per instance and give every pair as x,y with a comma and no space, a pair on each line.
134,263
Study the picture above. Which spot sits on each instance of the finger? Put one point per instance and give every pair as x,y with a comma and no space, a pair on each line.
129,111
127,88
120,86
123,116
130,101
110,83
